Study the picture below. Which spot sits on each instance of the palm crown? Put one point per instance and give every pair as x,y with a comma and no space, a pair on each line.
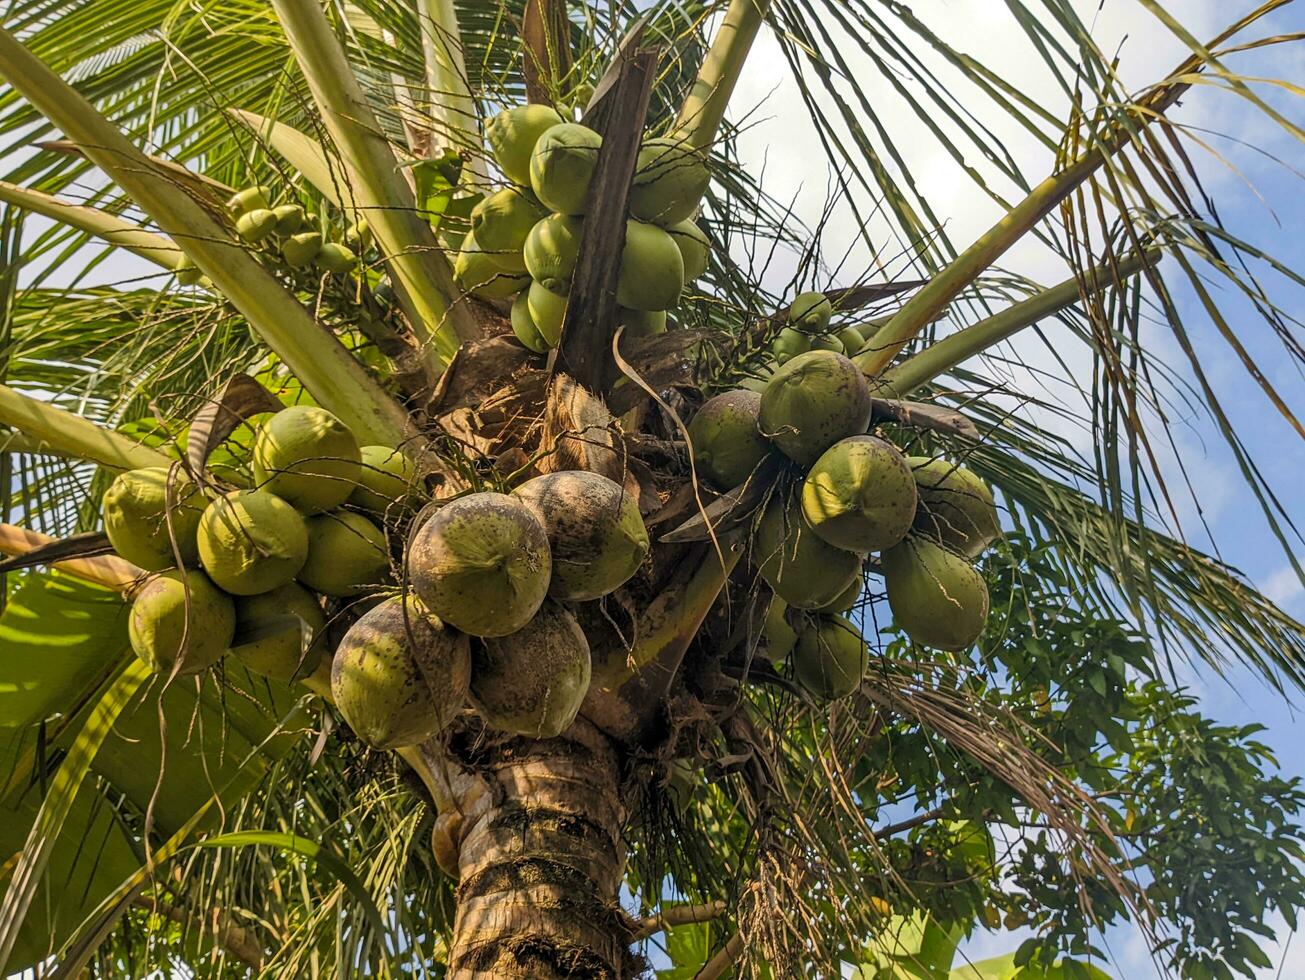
489,325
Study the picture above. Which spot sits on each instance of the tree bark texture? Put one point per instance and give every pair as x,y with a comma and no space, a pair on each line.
533,832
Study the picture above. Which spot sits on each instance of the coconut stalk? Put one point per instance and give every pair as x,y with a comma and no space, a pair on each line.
545,34
704,108
108,571
906,377
422,276
449,101
322,364
99,224
67,434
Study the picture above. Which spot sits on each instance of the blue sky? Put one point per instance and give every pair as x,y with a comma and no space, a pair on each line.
782,144
1238,170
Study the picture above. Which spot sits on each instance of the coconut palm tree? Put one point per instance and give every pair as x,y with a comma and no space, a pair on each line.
218,822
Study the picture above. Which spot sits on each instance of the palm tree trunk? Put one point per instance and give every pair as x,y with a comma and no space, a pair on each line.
533,832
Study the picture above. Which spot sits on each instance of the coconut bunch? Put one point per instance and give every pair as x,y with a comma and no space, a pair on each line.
246,571
525,237
846,494
286,235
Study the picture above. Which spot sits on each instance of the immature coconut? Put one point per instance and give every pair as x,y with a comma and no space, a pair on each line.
548,311
727,445
249,199
777,632
860,495
289,218
956,507
550,251
501,223
252,541
652,270
187,273
524,326
788,344
830,657
182,615
936,596
800,568
532,682
359,235
399,676
670,179
851,340
828,342
280,634
482,564
562,167
254,226
334,257
478,273
814,400
387,480
141,525
694,246
308,457
346,554
300,250
847,599
811,312
512,136
595,532
641,323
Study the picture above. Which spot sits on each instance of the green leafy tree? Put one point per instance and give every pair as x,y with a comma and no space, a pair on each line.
307,180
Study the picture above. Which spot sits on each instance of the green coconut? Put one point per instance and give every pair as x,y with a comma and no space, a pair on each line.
524,326
595,532
512,136
334,257
641,323
548,310
482,564
358,235
727,445
550,251
181,615
788,344
252,541
777,632
501,223
811,313
670,179
399,676
828,342
289,218
387,480
694,246
801,568
532,682
956,507
280,634
249,199
254,226
937,597
814,400
308,457
830,657
860,495
851,340
562,167
300,250
847,599
187,273
347,554
652,270
479,274
141,526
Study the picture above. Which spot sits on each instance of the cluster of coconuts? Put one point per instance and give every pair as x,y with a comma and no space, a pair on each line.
807,326
288,231
525,238
927,519
492,576
243,572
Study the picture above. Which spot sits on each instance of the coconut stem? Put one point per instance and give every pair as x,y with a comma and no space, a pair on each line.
106,570
704,108
911,374
451,103
66,434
